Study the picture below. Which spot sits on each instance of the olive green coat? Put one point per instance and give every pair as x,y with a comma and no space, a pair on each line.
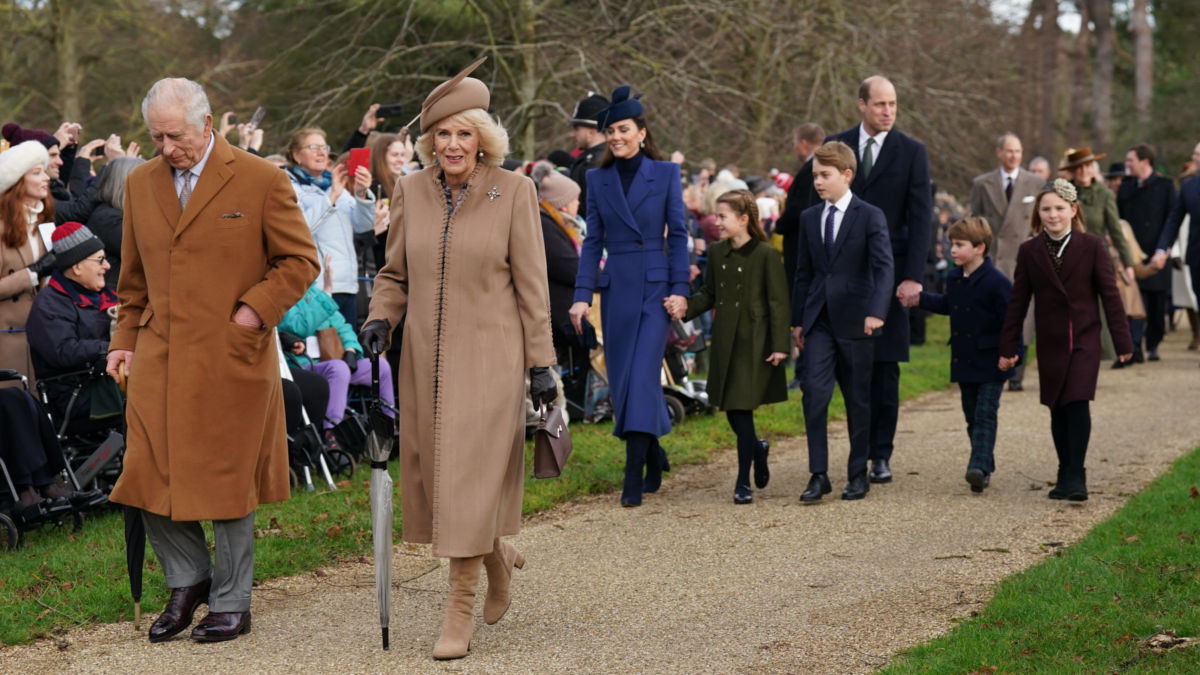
748,289
1099,207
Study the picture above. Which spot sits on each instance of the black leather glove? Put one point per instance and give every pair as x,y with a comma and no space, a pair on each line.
351,359
43,266
289,341
542,387
374,337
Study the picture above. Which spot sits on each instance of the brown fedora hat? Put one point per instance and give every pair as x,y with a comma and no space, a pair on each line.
1076,158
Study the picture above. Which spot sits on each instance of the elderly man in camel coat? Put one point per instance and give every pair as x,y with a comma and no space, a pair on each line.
215,250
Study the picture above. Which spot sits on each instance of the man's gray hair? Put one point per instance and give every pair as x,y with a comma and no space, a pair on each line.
1004,137
182,92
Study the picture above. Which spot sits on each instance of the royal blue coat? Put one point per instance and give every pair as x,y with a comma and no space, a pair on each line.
644,266
976,305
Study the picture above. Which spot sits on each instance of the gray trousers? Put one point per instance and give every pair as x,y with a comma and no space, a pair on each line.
181,548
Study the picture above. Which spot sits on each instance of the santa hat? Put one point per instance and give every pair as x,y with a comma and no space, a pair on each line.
19,160
72,242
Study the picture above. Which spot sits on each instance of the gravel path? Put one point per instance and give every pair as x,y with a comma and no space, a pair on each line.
689,582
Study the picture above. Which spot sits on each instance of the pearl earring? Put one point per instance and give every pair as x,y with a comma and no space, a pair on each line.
480,154
642,144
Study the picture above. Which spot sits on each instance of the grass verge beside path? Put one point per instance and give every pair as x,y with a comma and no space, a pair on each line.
59,580
1087,609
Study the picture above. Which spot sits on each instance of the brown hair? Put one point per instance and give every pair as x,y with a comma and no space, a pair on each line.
649,147
742,203
1035,223
1143,151
12,215
296,142
974,229
810,132
379,166
838,155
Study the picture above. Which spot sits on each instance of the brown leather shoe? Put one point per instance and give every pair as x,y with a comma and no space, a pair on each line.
221,626
180,610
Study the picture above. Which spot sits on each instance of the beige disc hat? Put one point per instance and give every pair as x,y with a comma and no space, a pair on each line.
453,96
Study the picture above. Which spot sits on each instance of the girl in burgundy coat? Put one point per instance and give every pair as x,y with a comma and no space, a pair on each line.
1065,269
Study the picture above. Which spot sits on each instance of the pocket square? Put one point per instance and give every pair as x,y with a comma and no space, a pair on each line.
235,214
1028,199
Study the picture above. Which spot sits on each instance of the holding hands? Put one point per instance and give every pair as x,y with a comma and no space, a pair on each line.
908,291
676,306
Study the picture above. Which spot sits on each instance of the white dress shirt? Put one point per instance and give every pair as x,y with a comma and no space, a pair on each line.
841,204
862,144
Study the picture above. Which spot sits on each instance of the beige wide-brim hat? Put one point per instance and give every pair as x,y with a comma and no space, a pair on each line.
453,96
19,160
1076,158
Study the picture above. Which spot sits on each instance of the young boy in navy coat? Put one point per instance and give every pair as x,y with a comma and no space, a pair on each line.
842,290
976,298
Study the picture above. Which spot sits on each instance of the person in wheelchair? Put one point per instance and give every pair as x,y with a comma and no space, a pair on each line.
30,453
68,331
317,311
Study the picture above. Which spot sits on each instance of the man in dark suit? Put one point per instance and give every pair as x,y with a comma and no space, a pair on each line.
1187,203
805,140
589,140
893,176
843,288
1144,200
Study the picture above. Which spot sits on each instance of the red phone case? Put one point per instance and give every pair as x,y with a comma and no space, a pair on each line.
358,157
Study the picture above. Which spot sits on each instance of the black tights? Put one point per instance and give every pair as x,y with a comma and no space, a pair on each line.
742,423
1071,427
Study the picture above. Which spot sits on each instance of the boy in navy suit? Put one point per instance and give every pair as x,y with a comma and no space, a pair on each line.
976,299
843,286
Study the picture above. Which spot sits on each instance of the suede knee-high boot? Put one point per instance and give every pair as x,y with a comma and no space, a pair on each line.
1058,431
459,623
637,445
499,565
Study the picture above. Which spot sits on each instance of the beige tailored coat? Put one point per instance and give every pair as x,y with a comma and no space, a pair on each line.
1009,219
206,437
16,297
475,288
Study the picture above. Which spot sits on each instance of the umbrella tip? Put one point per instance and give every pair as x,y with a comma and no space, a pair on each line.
385,638
137,614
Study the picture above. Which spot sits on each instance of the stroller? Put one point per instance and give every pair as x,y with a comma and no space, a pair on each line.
307,452
15,519
684,395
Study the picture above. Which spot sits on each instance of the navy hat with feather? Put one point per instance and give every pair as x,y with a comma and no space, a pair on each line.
623,107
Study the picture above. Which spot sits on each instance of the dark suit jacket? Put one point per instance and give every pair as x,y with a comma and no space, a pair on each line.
800,196
586,161
1145,208
976,305
1009,219
899,186
1066,315
855,283
1186,203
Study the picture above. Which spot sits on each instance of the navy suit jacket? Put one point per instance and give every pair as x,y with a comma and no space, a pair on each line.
899,186
1187,202
852,285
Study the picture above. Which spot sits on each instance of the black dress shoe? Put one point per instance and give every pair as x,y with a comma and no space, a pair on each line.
978,479
221,626
742,495
181,607
858,487
1152,355
817,485
1119,364
1138,356
762,474
880,473
1015,385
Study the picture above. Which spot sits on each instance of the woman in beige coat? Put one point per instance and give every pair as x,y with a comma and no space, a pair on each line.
465,260
24,202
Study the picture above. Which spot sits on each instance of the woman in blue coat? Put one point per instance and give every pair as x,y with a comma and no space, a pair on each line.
635,213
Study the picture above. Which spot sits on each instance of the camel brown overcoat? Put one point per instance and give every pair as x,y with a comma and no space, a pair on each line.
475,288
16,298
206,437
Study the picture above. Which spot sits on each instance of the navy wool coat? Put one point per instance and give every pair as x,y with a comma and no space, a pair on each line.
855,283
898,185
976,305
644,266
1066,315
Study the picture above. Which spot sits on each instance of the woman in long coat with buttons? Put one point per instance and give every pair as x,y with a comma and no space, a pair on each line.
635,212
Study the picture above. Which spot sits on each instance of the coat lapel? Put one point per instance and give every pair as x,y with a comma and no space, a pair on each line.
162,182
992,189
884,156
848,221
214,177
642,186
1042,257
616,196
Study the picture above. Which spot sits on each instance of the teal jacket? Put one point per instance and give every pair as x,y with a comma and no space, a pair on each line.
317,311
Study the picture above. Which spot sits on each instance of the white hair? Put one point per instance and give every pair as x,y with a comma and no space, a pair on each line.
182,92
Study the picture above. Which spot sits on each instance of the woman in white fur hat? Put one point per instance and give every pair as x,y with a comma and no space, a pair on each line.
24,202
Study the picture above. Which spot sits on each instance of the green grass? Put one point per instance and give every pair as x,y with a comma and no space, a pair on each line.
58,580
1086,609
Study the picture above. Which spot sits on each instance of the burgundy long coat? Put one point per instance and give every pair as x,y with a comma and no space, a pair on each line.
1066,315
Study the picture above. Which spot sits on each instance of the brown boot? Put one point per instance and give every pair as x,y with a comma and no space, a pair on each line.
499,565
459,623
1194,321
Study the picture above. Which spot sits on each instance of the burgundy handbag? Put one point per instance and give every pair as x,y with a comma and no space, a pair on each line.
551,443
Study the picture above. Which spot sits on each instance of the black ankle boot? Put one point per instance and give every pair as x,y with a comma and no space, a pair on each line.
1059,491
635,464
742,494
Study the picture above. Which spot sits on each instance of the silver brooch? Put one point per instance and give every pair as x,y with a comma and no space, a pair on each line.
493,193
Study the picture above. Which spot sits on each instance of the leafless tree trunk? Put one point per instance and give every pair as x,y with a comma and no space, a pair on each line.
1143,51
1100,12
1029,93
1079,90
70,74
1048,48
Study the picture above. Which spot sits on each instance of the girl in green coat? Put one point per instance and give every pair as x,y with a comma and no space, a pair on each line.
746,285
